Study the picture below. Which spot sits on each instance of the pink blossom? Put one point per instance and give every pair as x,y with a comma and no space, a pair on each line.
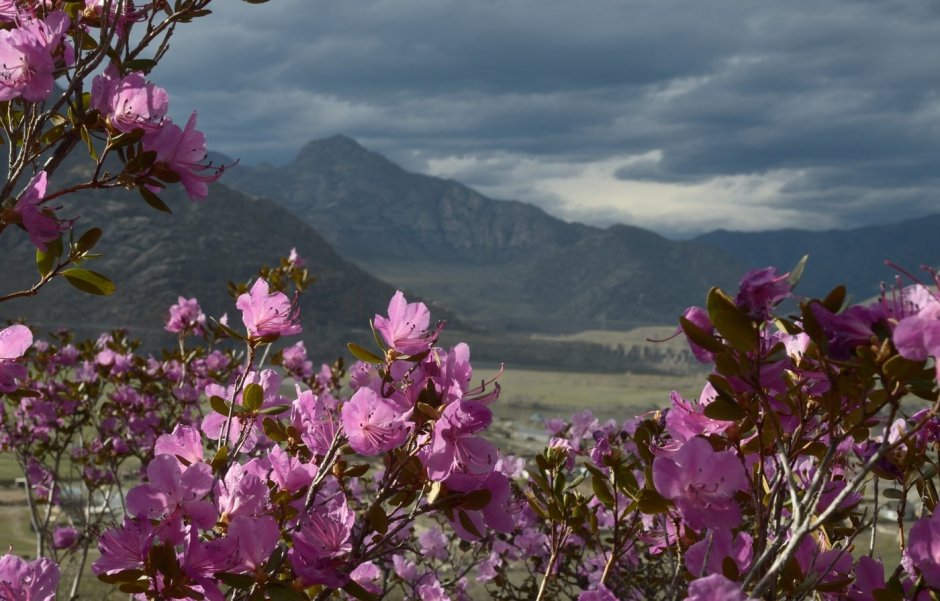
294,359
257,538
290,473
601,593
183,151
699,317
171,494
64,537
456,453
184,443
295,260
923,548
406,328
26,67
22,580
869,577
761,290
702,483
130,102
368,576
685,420
186,316
718,546
496,515
433,543
41,224
322,541
241,492
715,588
124,548
14,342
373,424
268,315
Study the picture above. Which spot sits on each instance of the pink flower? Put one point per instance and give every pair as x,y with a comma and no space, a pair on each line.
406,328
124,548
702,484
186,316
718,545
373,424
23,580
183,151
685,421
184,443
41,224
869,577
172,494
456,453
761,290
294,359
322,542
268,315
64,537
923,548
131,102
699,317
715,588
497,514
601,593
14,342
26,67
257,539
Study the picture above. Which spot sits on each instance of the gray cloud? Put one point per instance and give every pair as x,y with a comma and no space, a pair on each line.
839,101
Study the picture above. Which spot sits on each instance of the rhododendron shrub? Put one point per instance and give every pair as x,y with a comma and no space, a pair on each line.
383,483
74,79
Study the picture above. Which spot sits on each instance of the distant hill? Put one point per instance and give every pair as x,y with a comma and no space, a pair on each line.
153,257
499,264
853,257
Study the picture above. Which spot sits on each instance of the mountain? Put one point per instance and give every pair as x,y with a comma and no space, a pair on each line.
854,257
153,257
499,264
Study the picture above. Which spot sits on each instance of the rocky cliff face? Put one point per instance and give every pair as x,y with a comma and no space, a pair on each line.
153,257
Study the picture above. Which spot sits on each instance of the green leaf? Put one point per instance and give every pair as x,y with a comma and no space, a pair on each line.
86,137
883,594
899,368
279,591
602,491
700,336
468,524
731,322
153,200
353,588
253,396
724,409
476,500
48,260
219,405
363,355
377,519
835,299
651,501
273,429
240,581
140,64
89,281
275,410
893,493
797,272
88,240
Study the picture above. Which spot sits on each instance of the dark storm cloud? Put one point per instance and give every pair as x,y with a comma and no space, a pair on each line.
843,97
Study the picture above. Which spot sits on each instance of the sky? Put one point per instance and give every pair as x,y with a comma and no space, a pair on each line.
679,116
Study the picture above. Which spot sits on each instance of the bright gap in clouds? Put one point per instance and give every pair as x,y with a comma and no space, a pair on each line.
592,193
